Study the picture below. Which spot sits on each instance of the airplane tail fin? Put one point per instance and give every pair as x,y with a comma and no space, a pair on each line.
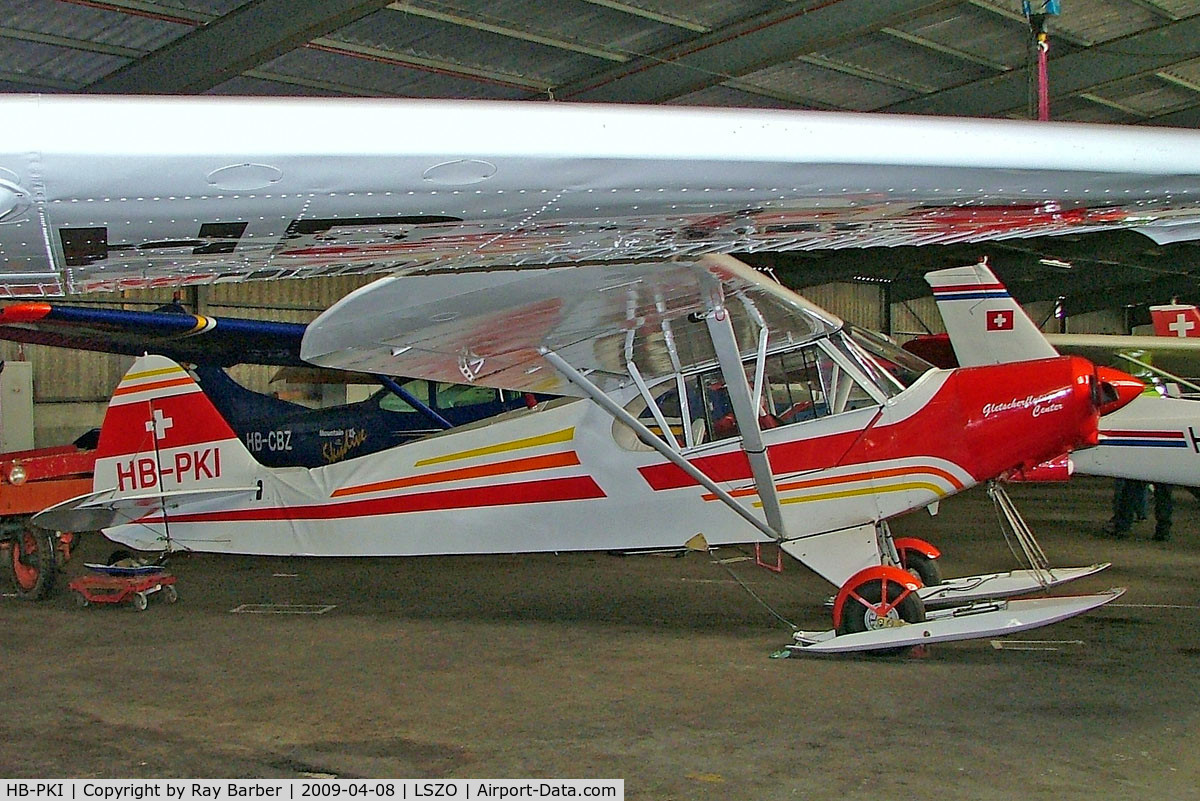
161,433
985,324
163,445
1176,320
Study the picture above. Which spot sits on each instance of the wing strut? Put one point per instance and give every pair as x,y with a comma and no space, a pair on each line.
609,405
729,357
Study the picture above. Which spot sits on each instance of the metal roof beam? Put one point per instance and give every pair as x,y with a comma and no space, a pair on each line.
509,31
946,50
230,45
866,75
440,66
1013,16
83,45
653,16
738,49
1086,70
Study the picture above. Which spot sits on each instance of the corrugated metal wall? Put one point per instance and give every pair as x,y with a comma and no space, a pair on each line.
860,304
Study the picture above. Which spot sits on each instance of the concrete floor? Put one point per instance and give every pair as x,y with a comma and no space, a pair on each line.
650,669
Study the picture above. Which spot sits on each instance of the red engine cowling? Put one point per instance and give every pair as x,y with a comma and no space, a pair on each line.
1017,416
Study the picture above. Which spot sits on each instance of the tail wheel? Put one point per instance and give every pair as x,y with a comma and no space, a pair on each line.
33,564
928,570
867,610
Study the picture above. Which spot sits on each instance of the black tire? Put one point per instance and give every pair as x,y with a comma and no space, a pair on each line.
929,571
856,617
32,564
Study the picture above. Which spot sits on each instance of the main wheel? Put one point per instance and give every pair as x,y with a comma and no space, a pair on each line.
32,564
929,571
866,610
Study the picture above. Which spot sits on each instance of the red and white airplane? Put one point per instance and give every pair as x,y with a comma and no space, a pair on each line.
1153,438
568,249
807,443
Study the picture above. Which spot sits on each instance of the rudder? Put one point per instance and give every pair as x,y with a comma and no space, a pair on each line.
162,434
985,324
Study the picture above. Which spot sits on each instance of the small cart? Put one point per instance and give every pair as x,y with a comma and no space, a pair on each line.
109,584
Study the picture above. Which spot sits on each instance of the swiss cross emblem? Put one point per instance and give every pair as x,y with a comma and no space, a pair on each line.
1182,325
1001,320
159,424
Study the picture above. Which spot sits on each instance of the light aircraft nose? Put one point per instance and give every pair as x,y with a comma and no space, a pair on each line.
1117,388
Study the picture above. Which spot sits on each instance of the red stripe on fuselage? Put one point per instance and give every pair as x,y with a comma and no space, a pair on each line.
575,488
796,456
1143,434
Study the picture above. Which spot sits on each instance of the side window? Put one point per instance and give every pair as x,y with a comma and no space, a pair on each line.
456,396
843,393
666,395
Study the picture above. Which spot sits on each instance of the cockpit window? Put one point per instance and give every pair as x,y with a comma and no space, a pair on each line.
799,385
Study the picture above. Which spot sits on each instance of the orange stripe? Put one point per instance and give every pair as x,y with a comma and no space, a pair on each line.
174,382
496,468
824,482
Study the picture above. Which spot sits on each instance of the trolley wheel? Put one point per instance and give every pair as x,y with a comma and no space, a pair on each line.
32,564
867,611
80,599
929,571
170,594
140,601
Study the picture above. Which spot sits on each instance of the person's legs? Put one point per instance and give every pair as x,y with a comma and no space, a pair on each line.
1163,506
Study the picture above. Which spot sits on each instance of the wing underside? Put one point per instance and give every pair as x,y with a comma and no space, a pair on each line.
205,189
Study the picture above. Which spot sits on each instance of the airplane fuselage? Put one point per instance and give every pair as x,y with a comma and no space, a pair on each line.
564,477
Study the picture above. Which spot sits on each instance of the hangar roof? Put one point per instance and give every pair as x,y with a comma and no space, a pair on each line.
1125,61
1115,61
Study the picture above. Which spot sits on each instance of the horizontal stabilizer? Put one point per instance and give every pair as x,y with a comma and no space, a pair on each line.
104,509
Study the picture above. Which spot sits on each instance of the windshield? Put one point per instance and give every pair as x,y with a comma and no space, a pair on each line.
900,366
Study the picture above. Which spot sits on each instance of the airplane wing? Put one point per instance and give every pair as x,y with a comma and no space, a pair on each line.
109,193
1173,355
174,333
1177,356
490,326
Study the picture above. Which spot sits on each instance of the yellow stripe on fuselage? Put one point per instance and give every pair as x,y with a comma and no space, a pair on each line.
566,435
